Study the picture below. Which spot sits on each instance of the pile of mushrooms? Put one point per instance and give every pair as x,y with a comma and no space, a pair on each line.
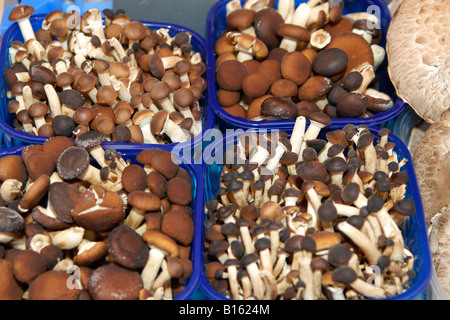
310,218
291,61
106,229
116,76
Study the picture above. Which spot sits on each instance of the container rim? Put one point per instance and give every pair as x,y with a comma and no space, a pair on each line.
422,279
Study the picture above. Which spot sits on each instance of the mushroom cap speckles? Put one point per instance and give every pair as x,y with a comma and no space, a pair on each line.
72,162
89,139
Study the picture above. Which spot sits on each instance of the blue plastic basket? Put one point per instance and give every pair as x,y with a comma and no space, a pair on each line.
216,24
19,138
192,284
415,231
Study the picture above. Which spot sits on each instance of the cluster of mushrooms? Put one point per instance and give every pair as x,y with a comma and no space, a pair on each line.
310,218
291,61
79,222
105,73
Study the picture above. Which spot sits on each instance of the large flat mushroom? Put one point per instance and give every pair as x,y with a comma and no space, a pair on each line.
417,51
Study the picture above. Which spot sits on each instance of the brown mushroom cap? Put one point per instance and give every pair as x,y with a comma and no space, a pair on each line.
56,145
144,200
40,163
97,209
178,225
423,50
52,285
179,191
296,67
27,265
134,178
113,282
10,288
127,247
230,75
240,18
266,22
293,31
12,166
20,12
282,108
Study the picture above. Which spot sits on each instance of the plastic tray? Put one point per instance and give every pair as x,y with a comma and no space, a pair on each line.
197,204
216,24
415,231
19,138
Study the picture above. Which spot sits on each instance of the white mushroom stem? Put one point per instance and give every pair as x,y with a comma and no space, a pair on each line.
259,156
151,268
121,89
320,39
16,240
27,96
67,239
306,274
361,240
146,132
26,29
286,9
11,190
174,131
274,161
53,100
118,48
255,278
134,218
379,53
92,175
39,241
367,289
298,134
233,282
370,159
314,14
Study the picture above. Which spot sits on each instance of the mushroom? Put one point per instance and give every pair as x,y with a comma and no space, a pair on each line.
21,14
430,102
12,225
161,246
98,209
10,289
113,282
141,202
127,248
431,162
52,285
74,163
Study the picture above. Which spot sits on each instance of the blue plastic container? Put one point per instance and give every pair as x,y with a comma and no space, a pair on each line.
18,138
216,24
192,284
414,233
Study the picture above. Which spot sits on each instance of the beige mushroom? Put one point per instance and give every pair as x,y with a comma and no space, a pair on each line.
418,55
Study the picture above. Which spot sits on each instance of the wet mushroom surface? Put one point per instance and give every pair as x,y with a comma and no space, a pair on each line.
300,42
64,71
323,220
89,226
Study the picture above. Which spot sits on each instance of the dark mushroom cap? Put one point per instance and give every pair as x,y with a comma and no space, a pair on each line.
127,247
240,18
336,164
266,22
63,125
42,74
10,220
163,162
351,105
327,211
344,274
313,170
405,207
350,192
89,139
134,178
339,255
62,197
329,62
113,282
71,98
72,162
279,107
157,184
